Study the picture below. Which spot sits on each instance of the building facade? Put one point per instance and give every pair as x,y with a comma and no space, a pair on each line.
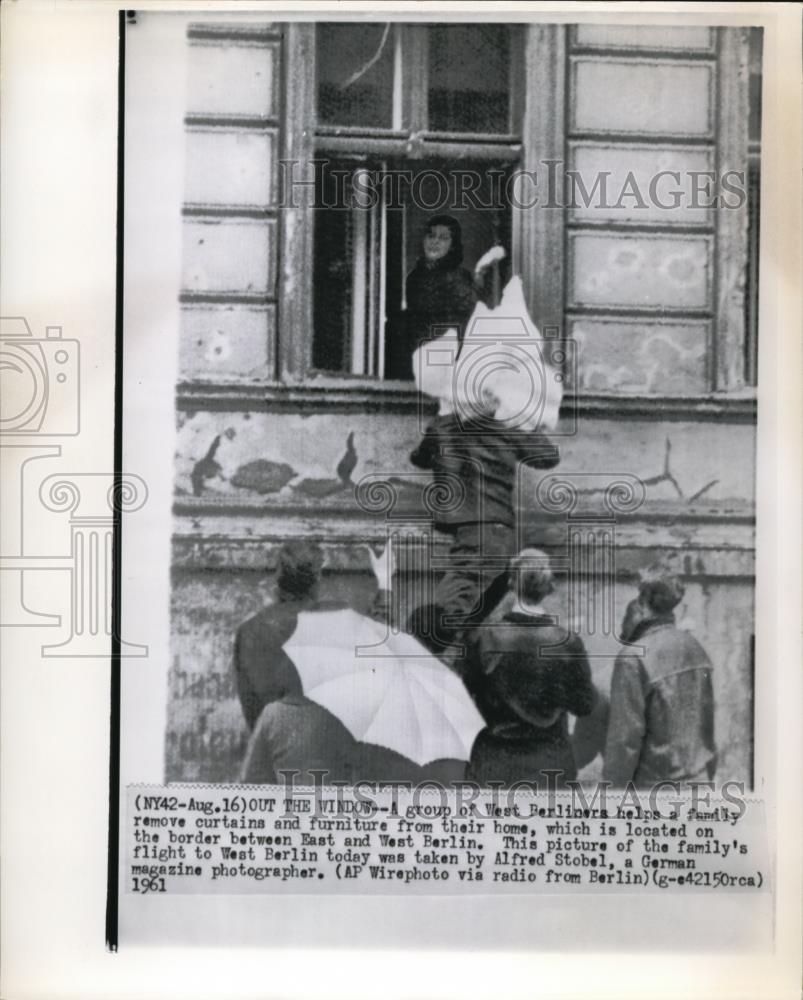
618,166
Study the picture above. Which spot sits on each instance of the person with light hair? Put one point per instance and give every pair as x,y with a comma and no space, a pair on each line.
527,674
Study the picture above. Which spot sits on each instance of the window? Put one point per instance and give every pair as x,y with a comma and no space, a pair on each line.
469,88
403,121
349,273
356,74
411,121
369,219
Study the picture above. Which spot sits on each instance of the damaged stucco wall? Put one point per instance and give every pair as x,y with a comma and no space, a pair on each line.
276,475
286,456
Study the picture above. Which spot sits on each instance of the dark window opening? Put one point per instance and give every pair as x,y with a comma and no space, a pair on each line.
370,219
355,69
469,78
348,271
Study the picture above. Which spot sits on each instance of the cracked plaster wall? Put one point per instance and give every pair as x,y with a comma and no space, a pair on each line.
281,457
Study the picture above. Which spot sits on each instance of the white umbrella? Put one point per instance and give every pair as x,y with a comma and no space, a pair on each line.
386,690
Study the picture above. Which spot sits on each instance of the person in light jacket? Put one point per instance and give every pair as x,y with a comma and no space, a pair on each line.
661,723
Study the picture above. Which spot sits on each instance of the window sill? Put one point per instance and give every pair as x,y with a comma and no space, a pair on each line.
675,512
355,395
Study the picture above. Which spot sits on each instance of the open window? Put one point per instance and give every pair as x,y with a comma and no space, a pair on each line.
397,122
412,121
369,223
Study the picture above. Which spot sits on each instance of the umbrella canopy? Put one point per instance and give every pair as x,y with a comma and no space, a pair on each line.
386,689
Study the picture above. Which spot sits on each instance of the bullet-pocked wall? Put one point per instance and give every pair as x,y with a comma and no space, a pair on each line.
657,212
651,299
231,222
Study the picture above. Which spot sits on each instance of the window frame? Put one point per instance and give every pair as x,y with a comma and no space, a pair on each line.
544,135
305,142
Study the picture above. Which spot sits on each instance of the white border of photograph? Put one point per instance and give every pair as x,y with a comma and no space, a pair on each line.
59,109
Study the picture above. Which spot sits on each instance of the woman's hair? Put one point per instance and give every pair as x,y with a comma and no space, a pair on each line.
455,255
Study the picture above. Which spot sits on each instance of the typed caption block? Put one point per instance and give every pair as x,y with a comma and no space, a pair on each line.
236,839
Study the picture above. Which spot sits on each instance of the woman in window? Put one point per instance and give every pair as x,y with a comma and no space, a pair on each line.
440,293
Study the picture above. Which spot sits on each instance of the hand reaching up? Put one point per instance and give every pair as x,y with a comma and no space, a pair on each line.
383,565
492,256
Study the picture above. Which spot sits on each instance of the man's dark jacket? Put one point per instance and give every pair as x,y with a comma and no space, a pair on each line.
525,658
483,457
264,672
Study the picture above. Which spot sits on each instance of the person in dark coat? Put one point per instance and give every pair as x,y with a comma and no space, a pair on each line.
440,294
526,674
661,723
263,671
475,467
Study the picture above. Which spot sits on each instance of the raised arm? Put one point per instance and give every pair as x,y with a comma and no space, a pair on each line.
383,567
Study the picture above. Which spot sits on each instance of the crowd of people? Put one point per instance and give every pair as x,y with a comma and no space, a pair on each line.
526,674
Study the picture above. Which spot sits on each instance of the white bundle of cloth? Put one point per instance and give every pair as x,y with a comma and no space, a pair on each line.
500,371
